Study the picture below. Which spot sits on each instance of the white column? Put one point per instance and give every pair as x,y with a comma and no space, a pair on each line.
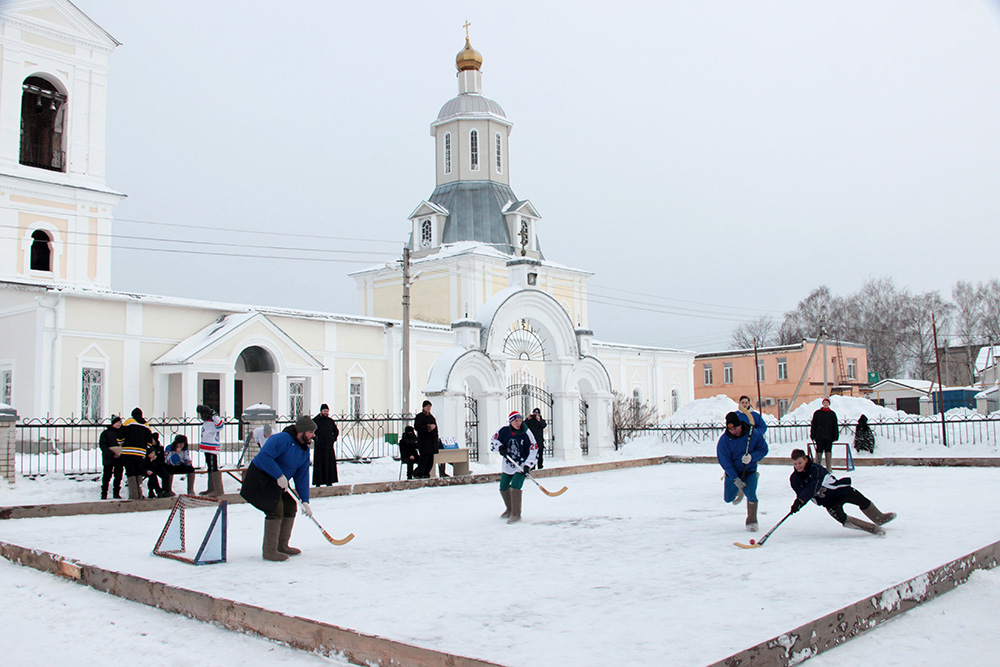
599,424
227,394
492,415
566,425
189,391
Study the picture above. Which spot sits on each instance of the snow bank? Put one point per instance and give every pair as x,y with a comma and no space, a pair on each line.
703,411
848,409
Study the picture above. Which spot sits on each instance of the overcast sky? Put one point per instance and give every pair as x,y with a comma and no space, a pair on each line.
717,159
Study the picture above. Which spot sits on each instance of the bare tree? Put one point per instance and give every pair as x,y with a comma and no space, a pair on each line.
881,324
807,318
763,330
628,414
968,316
988,295
920,341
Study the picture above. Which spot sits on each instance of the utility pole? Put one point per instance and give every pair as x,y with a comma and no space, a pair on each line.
937,356
822,332
406,330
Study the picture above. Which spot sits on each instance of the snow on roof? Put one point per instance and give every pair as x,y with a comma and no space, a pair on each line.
987,358
197,342
437,380
916,385
647,348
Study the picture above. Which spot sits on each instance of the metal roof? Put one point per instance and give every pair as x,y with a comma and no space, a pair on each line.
475,212
470,103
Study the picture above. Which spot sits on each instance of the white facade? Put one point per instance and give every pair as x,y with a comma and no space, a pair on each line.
488,314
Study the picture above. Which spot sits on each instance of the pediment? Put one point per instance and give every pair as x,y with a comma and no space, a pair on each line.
523,207
428,208
57,18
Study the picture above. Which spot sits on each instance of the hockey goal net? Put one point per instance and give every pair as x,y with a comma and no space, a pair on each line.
203,520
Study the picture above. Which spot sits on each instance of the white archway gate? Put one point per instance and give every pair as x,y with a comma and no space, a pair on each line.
577,381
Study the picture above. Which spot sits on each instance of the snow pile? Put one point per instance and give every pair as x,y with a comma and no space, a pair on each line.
848,409
703,411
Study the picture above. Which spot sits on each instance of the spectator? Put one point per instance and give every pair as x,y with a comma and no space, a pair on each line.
156,471
325,451
427,439
177,460
824,431
864,437
111,455
537,425
756,419
408,452
137,440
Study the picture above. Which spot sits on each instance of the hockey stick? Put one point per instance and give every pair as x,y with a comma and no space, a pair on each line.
763,539
329,538
525,473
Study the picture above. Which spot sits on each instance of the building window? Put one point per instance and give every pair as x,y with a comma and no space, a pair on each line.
499,155
727,372
41,251
7,386
356,397
474,150
296,398
43,110
447,152
708,374
426,234
782,407
782,368
675,400
91,393
852,369
760,370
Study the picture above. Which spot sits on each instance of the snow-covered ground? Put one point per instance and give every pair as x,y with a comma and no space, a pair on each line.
628,567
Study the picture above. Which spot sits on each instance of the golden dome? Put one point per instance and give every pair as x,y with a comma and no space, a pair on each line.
468,58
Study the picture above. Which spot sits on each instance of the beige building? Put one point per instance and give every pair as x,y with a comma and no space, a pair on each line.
495,325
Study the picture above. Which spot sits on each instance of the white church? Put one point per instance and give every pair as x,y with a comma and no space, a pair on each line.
495,324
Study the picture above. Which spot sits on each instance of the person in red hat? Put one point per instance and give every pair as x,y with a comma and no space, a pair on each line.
519,450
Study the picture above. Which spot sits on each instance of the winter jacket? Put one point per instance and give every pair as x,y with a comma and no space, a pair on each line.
408,447
824,426
521,447
282,454
537,428
758,421
427,438
137,438
110,437
176,457
730,451
815,483
210,431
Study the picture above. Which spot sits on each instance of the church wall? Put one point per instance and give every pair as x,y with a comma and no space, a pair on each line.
430,298
388,302
95,315
175,322
82,350
18,352
309,333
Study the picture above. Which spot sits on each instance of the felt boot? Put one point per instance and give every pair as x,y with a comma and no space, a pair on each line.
506,501
134,492
829,459
283,536
515,505
878,518
858,524
751,517
272,530
215,487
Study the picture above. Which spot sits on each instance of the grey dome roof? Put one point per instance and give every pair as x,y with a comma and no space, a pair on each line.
470,103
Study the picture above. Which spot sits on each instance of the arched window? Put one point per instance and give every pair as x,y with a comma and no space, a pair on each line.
474,149
636,402
499,155
43,109
426,234
447,152
41,251
675,400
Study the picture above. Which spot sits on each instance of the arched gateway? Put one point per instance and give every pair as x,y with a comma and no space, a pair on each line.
479,367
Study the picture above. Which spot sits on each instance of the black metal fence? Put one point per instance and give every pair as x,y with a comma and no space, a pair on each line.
968,430
71,446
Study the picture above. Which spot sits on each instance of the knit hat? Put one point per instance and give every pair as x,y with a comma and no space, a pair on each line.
115,418
267,430
136,414
305,423
536,411
514,415
733,419
324,407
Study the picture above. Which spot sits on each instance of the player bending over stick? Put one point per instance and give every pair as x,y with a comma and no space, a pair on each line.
811,481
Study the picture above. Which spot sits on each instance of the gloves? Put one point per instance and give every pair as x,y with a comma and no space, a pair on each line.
283,482
308,511
503,450
526,468
739,483
746,459
797,505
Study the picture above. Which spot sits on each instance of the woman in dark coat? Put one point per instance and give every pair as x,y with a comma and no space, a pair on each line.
325,454
408,452
864,437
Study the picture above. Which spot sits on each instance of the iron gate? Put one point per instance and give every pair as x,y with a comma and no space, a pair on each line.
526,397
584,431
472,427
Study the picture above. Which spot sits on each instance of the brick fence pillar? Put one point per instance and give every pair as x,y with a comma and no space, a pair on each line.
8,443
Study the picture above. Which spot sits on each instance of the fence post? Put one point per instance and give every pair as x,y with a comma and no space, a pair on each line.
8,443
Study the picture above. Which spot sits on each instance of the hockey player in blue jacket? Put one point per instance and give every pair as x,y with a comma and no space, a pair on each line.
739,450
516,443
811,481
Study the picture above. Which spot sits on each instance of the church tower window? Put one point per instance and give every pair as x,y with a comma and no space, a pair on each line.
41,251
426,234
447,152
42,113
499,155
474,149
